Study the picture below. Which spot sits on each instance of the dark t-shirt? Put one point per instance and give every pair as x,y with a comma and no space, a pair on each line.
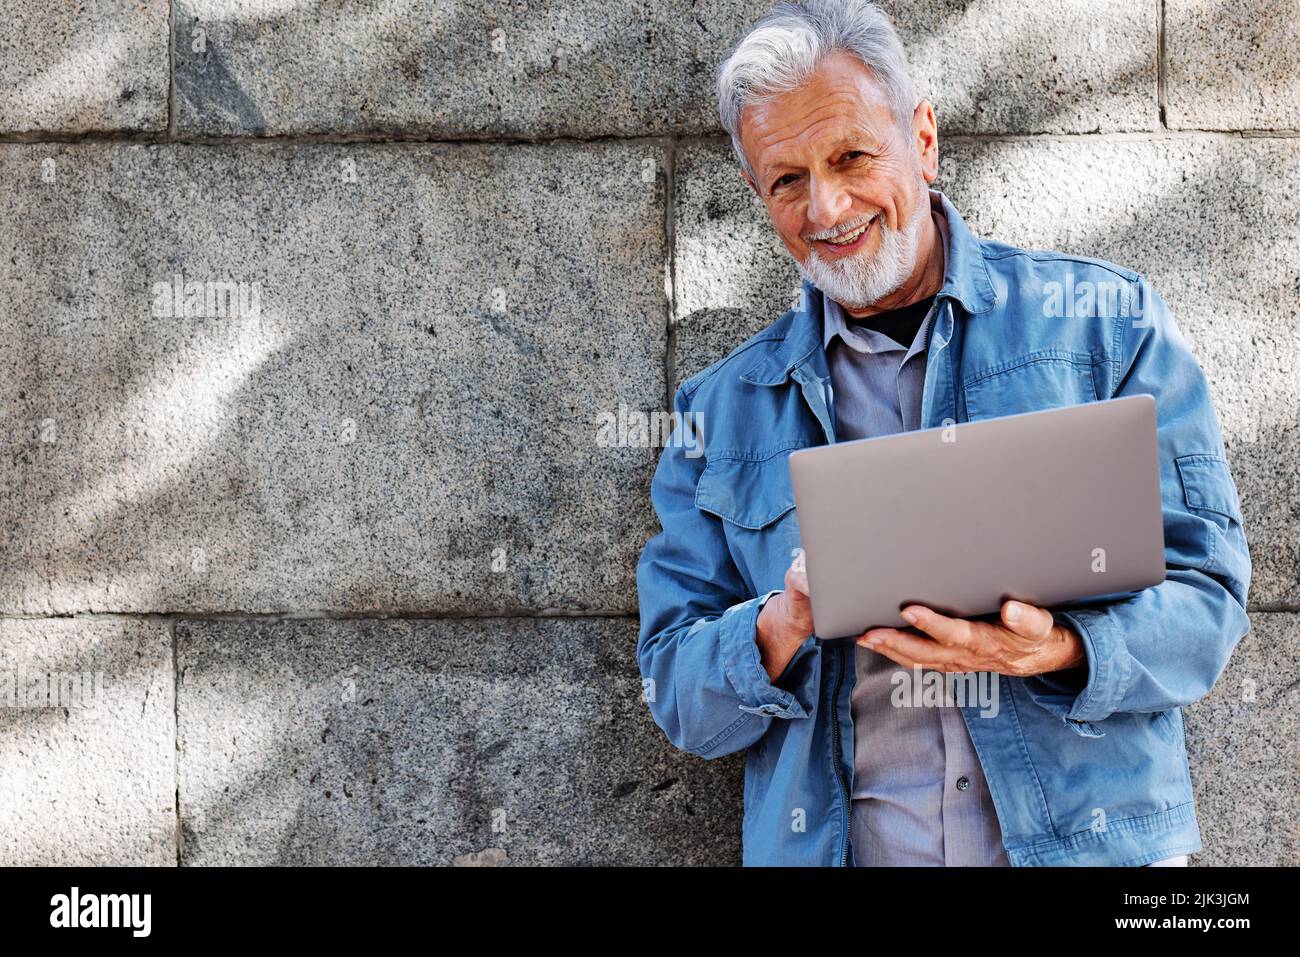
899,324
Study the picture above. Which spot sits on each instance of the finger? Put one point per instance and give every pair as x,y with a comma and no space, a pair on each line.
896,657
906,660
909,649
797,576
1027,621
796,582
955,632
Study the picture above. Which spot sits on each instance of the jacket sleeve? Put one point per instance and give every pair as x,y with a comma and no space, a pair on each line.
1164,646
700,667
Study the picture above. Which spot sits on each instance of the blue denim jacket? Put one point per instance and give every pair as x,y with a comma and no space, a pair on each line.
1089,772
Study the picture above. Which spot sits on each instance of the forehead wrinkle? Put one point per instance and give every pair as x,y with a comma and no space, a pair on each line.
851,85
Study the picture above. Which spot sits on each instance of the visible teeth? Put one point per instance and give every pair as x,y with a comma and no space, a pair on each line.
849,237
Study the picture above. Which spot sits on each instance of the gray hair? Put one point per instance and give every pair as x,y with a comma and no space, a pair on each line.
784,48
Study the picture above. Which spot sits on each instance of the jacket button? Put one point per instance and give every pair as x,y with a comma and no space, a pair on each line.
963,783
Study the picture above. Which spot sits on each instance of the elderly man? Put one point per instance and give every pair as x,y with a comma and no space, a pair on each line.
909,321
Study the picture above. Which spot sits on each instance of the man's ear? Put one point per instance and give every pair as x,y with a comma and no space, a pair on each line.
750,183
925,130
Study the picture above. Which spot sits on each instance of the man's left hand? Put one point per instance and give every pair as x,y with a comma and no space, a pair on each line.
1027,641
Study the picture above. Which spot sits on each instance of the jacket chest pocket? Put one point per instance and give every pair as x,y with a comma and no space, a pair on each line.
1040,380
752,494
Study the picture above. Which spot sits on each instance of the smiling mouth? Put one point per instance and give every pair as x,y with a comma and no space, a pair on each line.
850,240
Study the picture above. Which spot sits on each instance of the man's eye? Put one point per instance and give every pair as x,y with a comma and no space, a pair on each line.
854,154
785,180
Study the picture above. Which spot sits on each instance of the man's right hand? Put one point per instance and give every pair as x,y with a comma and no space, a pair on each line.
786,620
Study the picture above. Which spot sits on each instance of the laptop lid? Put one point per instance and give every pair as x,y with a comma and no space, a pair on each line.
1045,507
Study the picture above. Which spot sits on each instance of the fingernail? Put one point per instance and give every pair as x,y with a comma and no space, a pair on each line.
1013,611
909,617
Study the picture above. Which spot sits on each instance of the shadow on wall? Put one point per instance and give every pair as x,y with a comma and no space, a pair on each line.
406,424
388,742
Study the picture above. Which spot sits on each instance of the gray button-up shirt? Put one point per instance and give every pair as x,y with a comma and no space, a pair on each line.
919,794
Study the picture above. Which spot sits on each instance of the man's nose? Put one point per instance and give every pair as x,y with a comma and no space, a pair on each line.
827,202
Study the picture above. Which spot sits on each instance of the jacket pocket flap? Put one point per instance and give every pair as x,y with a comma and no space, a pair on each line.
1208,486
747,492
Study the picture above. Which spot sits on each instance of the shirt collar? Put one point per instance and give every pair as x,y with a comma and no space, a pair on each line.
858,338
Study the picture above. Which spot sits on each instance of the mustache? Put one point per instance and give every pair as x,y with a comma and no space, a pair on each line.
844,227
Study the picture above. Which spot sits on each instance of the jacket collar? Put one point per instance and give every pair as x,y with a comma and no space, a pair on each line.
965,279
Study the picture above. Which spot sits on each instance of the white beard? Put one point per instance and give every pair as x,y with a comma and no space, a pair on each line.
862,280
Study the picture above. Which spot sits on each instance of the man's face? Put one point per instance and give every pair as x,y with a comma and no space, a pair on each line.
845,187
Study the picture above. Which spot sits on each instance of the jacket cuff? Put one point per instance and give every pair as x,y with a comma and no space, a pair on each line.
737,636
1109,670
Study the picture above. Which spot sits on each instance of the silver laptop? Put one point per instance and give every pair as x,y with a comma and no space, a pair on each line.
1045,507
